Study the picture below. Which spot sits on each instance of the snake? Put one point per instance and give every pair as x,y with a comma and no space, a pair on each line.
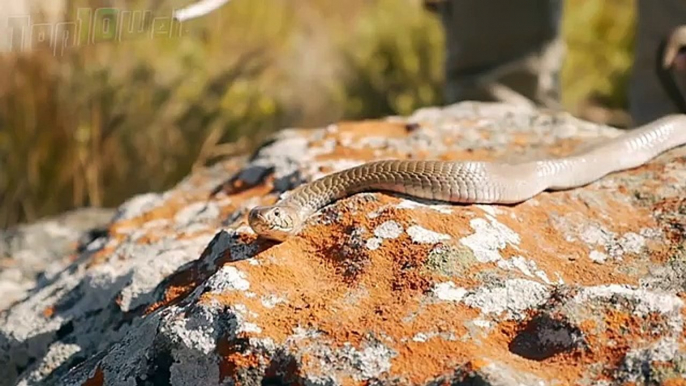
471,182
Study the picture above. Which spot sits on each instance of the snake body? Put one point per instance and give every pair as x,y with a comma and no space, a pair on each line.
470,181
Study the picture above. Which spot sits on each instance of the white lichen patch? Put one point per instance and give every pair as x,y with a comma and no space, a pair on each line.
489,209
449,291
245,229
664,350
327,147
253,261
650,233
421,337
488,239
646,301
482,323
227,278
375,213
93,246
424,236
371,361
629,243
373,243
632,242
135,234
250,328
513,297
194,330
559,278
527,267
244,310
58,353
138,205
373,143
56,229
149,266
271,301
409,204
159,223
596,235
301,333
223,201
597,257
196,212
326,363
574,226
593,235
388,230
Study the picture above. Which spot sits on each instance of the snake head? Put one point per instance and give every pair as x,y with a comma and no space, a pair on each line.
273,222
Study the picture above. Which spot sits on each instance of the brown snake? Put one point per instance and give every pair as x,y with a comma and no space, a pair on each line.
470,181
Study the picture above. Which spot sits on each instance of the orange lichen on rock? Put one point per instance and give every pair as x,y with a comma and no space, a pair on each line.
348,293
359,130
49,311
330,281
570,287
98,378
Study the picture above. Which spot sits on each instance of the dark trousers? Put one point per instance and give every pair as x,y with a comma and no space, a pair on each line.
512,50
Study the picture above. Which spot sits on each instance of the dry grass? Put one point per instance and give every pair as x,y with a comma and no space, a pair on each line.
600,38
108,120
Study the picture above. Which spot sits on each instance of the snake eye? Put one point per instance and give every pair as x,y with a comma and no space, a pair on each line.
277,213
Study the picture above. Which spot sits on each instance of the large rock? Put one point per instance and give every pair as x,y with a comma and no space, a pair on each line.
37,252
583,286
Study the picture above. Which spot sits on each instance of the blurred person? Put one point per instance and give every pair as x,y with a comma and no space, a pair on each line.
651,95
503,50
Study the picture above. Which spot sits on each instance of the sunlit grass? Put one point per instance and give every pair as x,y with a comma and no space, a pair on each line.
600,38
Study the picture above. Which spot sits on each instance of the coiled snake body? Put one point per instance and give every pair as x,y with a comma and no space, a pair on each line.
470,181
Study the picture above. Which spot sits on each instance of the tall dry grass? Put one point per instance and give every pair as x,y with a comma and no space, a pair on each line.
107,120
600,36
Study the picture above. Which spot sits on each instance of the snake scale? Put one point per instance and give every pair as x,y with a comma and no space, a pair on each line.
481,182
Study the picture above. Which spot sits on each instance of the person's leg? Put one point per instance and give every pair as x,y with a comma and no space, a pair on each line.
649,97
502,50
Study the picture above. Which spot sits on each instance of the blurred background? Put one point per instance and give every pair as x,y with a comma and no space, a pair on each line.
94,123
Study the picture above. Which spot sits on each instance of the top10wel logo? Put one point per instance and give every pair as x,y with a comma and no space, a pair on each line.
91,26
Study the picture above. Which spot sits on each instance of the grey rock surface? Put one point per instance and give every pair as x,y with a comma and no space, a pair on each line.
38,251
582,286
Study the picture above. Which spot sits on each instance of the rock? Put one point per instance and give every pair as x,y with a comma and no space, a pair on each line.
584,286
39,251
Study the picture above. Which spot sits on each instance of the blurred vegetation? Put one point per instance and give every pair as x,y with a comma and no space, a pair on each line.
599,35
97,123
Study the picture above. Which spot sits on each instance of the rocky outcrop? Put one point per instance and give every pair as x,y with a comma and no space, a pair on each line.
34,253
584,286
